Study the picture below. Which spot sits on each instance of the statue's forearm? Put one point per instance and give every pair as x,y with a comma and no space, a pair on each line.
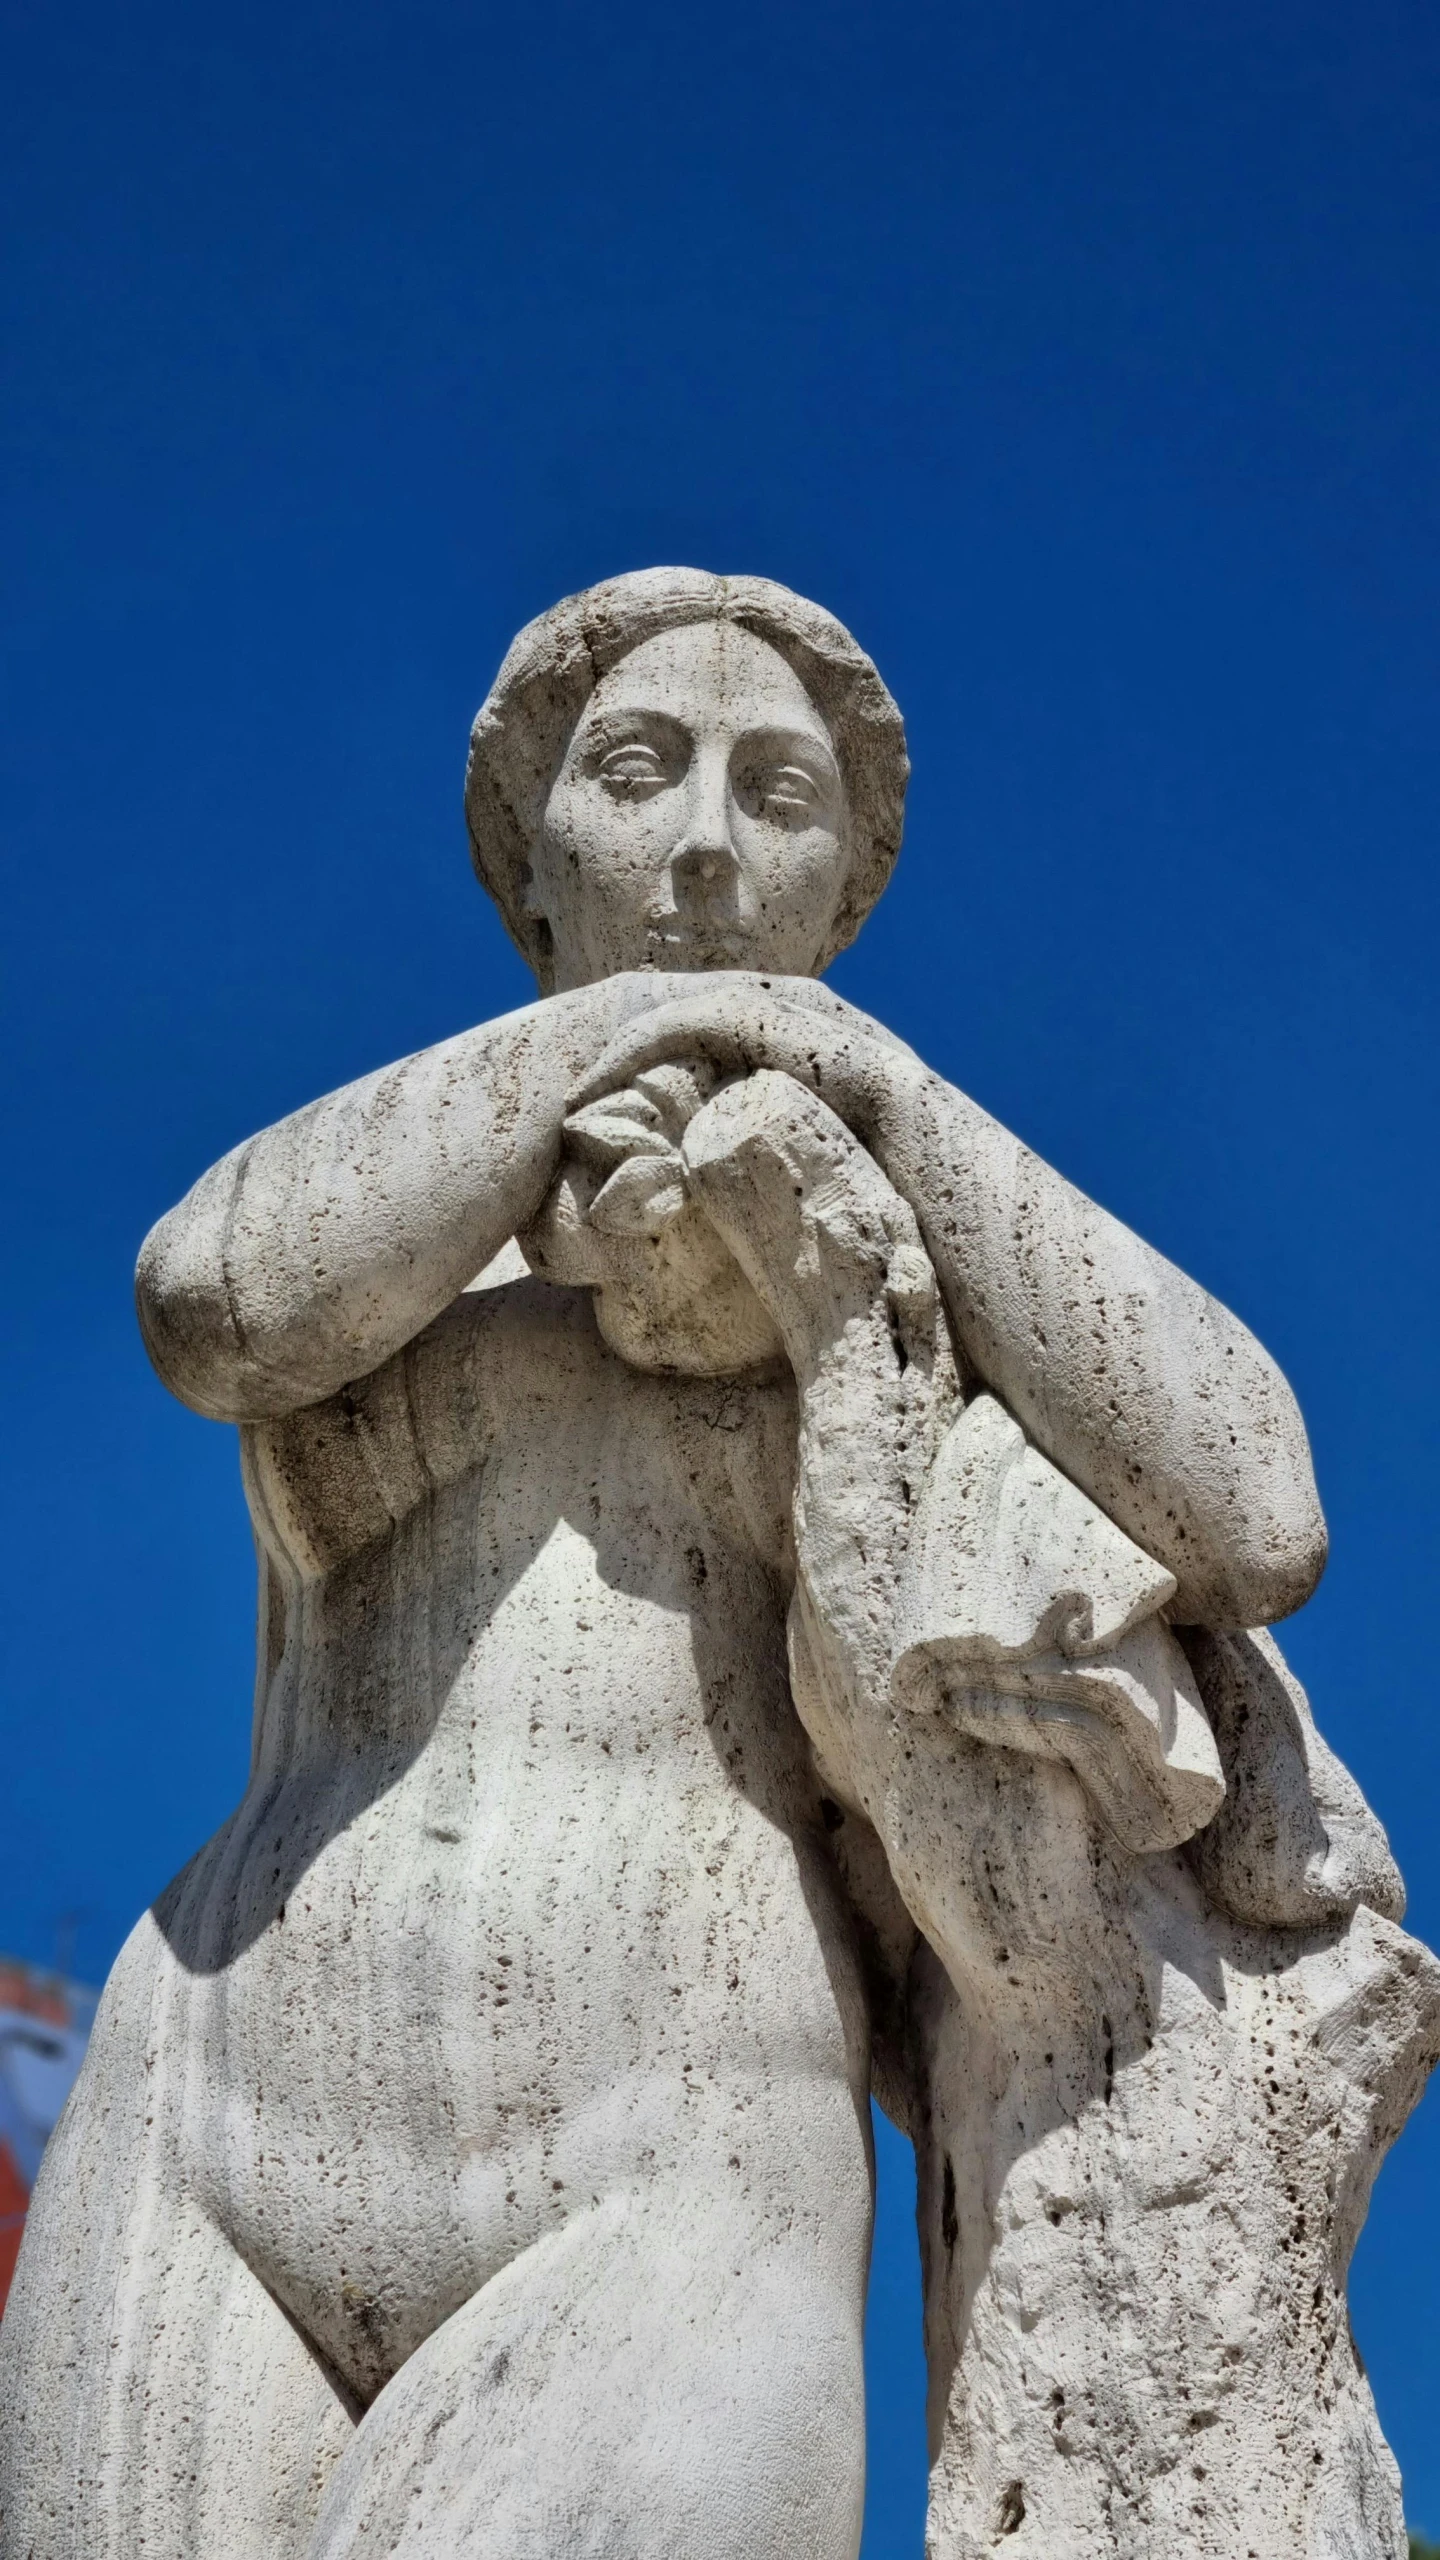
1138,1384
836,1258
312,1253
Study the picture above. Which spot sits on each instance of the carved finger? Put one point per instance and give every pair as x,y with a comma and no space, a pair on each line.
798,1201
742,1033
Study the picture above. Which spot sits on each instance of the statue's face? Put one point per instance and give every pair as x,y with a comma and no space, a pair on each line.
698,820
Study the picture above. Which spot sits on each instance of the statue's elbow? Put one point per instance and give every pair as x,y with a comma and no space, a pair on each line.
1267,1538
187,1325
1276,1571
1295,1541
1269,1541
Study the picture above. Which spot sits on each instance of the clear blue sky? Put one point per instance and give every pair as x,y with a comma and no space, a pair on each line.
1083,358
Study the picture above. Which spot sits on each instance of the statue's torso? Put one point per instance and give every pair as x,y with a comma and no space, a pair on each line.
528,1900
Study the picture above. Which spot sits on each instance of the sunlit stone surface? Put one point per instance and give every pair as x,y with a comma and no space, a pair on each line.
779,1631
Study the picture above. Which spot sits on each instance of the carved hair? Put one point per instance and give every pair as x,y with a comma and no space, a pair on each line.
551,669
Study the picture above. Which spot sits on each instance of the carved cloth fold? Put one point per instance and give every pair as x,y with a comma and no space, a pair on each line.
1026,1618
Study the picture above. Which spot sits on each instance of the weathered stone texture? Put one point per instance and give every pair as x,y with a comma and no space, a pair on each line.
794,1625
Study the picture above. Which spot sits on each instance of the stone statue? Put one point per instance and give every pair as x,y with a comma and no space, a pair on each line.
793,1623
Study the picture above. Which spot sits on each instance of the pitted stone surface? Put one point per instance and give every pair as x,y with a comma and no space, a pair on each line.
778,1632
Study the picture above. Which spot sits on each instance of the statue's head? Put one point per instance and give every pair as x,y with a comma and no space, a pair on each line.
680,771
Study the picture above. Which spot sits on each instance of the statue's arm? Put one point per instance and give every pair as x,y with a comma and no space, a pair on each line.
312,1253
1135,1381
1143,1388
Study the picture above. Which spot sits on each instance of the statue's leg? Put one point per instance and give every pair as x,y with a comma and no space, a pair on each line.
669,2376
153,2398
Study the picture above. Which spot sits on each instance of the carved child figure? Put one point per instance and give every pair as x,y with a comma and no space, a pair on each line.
472,2156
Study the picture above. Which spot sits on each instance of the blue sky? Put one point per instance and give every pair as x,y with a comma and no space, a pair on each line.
1083,359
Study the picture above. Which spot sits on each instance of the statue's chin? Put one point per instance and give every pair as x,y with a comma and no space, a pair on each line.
677,1300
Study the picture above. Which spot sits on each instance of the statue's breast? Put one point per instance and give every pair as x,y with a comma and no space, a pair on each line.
511,1411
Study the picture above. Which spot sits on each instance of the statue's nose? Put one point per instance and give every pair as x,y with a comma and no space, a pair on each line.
703,871
704,867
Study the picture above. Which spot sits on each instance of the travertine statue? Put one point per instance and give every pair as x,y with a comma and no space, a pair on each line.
781,1629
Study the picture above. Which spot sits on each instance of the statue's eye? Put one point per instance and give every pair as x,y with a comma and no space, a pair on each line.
632,772
789,793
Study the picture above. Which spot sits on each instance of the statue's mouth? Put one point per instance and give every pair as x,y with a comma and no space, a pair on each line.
708,946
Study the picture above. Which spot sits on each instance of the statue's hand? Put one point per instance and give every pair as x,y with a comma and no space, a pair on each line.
630,1142
741,1023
